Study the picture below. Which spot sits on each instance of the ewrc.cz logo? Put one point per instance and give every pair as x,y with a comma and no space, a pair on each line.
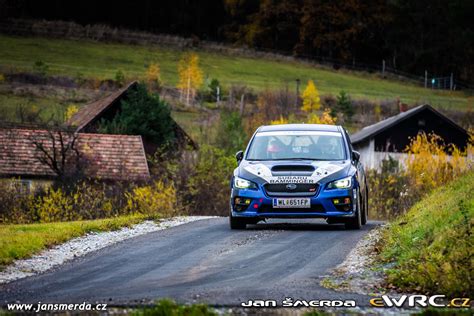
420,301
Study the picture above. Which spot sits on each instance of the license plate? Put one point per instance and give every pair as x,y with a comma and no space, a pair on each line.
292,203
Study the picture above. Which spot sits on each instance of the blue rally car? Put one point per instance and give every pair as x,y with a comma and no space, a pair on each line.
299,171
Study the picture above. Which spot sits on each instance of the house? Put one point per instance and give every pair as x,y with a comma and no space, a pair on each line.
391,136
39,156
87,119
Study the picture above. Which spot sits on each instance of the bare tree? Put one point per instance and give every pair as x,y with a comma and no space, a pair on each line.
57,149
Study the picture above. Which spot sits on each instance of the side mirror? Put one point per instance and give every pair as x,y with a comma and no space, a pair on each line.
355,155
239,156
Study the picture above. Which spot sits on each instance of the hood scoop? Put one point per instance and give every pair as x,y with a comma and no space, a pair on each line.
292,170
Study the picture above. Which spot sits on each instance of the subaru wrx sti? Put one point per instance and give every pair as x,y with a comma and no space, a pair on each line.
299,171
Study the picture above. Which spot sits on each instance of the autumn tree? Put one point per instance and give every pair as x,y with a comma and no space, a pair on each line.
190,77
310,96
153,75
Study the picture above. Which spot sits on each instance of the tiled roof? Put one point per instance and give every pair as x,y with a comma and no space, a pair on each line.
92,111
107,157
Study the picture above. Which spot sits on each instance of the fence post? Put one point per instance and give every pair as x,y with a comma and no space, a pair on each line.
451,82
383,67
426,79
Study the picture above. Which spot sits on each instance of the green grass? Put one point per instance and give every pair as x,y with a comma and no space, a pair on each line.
19,241
50,107
169,307
101,60
432,244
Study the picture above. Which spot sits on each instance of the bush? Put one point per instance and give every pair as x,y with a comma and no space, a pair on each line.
153,76
84,201
41,68
344,105
209,187
389,196
231,134
169,307
430,164
55,206
211,90
153,200
120,78
16,204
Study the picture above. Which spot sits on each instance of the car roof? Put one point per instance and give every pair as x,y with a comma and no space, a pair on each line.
299,127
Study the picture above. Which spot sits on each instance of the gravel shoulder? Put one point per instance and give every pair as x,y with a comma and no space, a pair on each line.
81,246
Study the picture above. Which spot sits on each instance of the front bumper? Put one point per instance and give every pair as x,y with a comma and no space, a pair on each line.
322,204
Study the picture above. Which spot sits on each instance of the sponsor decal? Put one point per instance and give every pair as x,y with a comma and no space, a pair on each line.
419,300
290,179
323,169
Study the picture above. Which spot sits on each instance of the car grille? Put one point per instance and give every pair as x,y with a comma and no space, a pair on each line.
315,208
282,189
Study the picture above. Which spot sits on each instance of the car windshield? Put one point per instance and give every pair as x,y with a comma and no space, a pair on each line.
295,145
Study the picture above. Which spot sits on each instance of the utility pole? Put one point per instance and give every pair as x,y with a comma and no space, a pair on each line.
242,98
297,92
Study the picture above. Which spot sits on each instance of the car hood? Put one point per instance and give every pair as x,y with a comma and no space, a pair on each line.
290,171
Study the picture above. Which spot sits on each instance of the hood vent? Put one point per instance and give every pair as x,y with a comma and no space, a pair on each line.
292,170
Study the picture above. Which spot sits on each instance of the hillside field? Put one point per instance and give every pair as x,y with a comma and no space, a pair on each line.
102,61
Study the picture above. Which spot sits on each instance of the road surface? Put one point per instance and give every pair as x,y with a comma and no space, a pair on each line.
202,261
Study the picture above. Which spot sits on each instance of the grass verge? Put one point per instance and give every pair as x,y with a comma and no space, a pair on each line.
101,60
431,245
19,241
169,307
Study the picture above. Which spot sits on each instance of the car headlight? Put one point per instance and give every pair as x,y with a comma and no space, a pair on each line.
244,184
344,183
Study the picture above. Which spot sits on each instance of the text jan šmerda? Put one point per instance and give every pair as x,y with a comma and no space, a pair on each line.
290,302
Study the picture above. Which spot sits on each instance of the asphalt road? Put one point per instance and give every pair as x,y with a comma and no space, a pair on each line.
202,261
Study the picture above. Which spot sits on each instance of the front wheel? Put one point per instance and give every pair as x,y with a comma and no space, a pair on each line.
356,221
237,223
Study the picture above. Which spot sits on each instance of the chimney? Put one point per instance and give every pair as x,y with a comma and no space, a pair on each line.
402,107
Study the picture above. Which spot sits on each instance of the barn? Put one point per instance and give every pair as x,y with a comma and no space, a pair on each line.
391,136
87,119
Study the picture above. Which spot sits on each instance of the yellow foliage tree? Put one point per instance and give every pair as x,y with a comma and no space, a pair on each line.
70,111
313,118
190,76
155,199
310,96
153,74
431,163
324,118
281,120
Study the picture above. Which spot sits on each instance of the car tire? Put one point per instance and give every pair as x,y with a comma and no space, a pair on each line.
356,221
237,223
365,213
